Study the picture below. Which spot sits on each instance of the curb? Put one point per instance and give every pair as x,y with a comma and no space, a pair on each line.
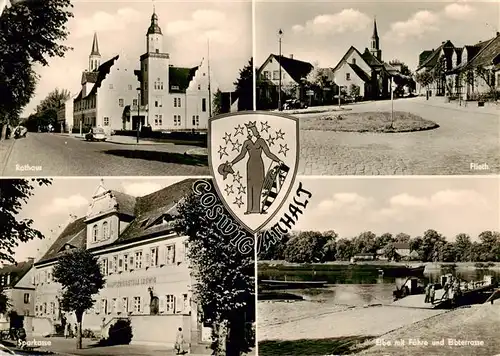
7,156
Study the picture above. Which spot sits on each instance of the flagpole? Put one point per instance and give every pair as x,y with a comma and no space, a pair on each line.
209,89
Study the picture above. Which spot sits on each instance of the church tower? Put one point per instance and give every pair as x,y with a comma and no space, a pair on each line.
95,56
154,36
375,45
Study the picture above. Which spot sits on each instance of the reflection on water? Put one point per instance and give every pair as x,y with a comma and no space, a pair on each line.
354,286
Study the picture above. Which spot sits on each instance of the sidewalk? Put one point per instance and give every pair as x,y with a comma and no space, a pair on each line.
123,140
467,106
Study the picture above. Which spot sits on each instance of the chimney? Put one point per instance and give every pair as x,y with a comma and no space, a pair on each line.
291,56
31,259
498,33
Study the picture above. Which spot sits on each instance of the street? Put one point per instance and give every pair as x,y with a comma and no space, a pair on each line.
50,154
467,142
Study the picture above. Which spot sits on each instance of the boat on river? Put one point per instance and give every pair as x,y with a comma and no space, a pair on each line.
284,284
402,271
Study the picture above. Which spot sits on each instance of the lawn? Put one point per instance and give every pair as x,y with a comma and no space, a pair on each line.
367,122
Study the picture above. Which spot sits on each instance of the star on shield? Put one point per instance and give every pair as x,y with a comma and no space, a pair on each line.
284,149
222,152
239,130
227,138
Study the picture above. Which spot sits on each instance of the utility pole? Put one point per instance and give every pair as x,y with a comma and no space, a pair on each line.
280,36
138,113
209,89
340,89
392,103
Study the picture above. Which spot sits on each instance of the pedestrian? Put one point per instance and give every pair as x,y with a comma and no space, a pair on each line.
76,329
427,292
66,330
432,294
179,342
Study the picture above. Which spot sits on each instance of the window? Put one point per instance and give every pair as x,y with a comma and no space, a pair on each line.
156,103
95,233
160,119
138,260
125,263
111,86
45,308
105,230
134,102
129,87
49,276
104,306
204,104
154,257
354,61
157,50
348,76
131,262
177,103
267,74
177,120
114,305
26,298
276,75
120,102
161,85
104,266
52,308
106,121
199,87
137,304
170,255
125,304
196,120
115,264
185,303
156,120
170,304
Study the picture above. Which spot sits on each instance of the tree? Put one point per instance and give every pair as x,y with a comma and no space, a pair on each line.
244,87
23,45
424,78
463,248
306,247
4,301
432,242
383,240
224,276
53,100
217,103
402,238
80,276
14,193
354,91
487,76
403,80
364,243
344,250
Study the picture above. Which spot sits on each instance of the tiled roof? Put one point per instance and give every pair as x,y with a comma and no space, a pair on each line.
75,234
179,78
360,73
487,54
423,57
99,75
370,59
145,211
433,58
89,77
297,69
16,272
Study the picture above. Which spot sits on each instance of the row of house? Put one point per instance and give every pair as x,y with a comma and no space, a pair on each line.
365,70
141,257
462,72
402,251
159,95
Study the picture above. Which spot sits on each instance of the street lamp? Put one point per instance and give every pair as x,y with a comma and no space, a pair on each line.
280,36
138,113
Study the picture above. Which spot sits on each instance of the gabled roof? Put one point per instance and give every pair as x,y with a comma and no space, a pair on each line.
180,78
89,77
101,74
424,56
370,59
295,68
126,203
433,58
75,234
360,73
16,272
488,53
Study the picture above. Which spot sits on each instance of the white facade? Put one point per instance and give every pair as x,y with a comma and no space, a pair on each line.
270,70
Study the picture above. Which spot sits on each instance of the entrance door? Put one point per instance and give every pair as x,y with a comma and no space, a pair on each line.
136,120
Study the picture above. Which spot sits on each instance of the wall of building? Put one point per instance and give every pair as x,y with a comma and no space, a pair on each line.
341,78
155,86
273,67
120,83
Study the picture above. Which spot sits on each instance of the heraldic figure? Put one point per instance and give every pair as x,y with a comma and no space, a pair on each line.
256,174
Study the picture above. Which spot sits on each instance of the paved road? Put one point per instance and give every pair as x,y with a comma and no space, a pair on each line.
464,137
56,155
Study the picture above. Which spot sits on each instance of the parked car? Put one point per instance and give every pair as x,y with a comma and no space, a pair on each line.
294,104
96,134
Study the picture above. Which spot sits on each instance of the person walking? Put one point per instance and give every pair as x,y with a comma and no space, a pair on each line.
179,342
66,330
427,292
432,294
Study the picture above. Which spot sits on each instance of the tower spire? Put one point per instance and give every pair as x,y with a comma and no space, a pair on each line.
375,32
95,46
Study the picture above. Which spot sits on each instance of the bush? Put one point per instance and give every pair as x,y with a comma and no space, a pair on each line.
88,334
120,333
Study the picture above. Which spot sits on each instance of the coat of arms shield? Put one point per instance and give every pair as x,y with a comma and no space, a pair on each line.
253,158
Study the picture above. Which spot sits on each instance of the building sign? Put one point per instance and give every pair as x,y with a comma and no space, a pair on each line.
132,282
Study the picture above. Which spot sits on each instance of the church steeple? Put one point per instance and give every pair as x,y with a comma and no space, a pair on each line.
154,35
154,28
95,56
375,43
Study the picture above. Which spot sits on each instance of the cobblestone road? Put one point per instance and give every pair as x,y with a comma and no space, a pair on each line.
464,137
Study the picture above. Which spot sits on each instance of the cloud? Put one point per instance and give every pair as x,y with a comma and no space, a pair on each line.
416,26
459,11
104,21
345,202
141,189
347,20
62,205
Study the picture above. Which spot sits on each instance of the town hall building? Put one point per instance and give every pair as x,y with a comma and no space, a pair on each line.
159,96
142,259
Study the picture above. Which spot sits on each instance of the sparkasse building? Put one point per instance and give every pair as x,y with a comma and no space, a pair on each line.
141,257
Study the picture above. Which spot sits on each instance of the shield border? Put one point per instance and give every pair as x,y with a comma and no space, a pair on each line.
295,169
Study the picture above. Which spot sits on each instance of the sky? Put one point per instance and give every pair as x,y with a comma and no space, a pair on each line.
349,206
121,29
449,205
321,32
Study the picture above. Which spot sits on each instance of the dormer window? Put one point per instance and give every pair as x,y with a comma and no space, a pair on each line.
163,219
95,233
354,61
105,230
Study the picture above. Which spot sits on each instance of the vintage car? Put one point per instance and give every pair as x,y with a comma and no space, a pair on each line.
294,104
96,134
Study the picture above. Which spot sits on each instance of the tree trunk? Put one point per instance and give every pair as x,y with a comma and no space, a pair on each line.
4,128
79,316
